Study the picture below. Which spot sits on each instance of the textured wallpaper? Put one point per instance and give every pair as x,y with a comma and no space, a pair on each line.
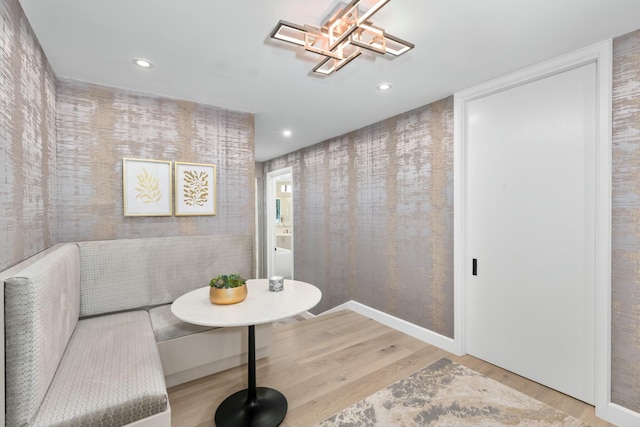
625,335
27,141
98,126
375,208
376,205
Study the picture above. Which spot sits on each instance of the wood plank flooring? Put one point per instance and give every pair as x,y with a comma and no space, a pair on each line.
324,364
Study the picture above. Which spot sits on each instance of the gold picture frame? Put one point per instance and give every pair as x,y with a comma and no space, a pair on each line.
146,187
195,188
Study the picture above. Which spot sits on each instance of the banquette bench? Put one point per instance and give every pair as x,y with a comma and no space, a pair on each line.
90,339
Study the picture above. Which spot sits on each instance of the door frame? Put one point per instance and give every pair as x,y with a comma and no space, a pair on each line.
272,178
601,55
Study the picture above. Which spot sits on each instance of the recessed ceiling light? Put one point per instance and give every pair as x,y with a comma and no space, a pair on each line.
143,63
286,133
384,86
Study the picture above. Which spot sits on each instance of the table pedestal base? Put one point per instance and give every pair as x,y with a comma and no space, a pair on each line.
268,408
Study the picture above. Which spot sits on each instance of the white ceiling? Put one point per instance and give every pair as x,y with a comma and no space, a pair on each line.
218,52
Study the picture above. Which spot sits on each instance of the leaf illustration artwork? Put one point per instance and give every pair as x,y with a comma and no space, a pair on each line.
148,189
196,188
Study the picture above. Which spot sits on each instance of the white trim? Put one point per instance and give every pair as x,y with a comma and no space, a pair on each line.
308,315
600,54
408,328
256,225
460,167
618,415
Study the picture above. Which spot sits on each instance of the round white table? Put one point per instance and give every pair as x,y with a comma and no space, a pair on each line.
254,406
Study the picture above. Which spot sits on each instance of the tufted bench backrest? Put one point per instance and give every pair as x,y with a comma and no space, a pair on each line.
42,304
125,274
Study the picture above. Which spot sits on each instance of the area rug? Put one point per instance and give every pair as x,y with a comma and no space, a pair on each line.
448,394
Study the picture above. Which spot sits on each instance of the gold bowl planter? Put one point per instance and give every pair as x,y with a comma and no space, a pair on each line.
224,296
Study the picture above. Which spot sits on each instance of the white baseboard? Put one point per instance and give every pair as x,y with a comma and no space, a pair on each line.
408,328
618,415
307,315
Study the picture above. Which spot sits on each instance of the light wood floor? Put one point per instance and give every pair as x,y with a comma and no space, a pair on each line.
324,364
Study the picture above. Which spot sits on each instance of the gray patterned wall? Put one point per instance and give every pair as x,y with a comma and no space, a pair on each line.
625,327
350,222
27,141
373,216
98,126
375,205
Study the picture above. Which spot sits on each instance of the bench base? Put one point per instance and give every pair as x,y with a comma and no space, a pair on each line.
163,419
197,355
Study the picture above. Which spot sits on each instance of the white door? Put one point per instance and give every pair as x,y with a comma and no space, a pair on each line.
531,209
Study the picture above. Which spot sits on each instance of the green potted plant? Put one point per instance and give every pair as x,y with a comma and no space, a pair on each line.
228,289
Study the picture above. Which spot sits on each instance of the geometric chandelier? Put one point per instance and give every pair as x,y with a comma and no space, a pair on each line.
342,37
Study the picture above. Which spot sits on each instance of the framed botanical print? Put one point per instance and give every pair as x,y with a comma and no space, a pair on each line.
195,188
146,187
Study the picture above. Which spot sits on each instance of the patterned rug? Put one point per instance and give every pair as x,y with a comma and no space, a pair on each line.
448,394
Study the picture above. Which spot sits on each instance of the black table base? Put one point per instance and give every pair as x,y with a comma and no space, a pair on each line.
254,406
268,409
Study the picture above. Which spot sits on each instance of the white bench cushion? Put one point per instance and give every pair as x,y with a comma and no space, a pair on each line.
166,326
110,375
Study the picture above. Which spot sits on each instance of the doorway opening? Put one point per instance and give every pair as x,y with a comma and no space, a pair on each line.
280,223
